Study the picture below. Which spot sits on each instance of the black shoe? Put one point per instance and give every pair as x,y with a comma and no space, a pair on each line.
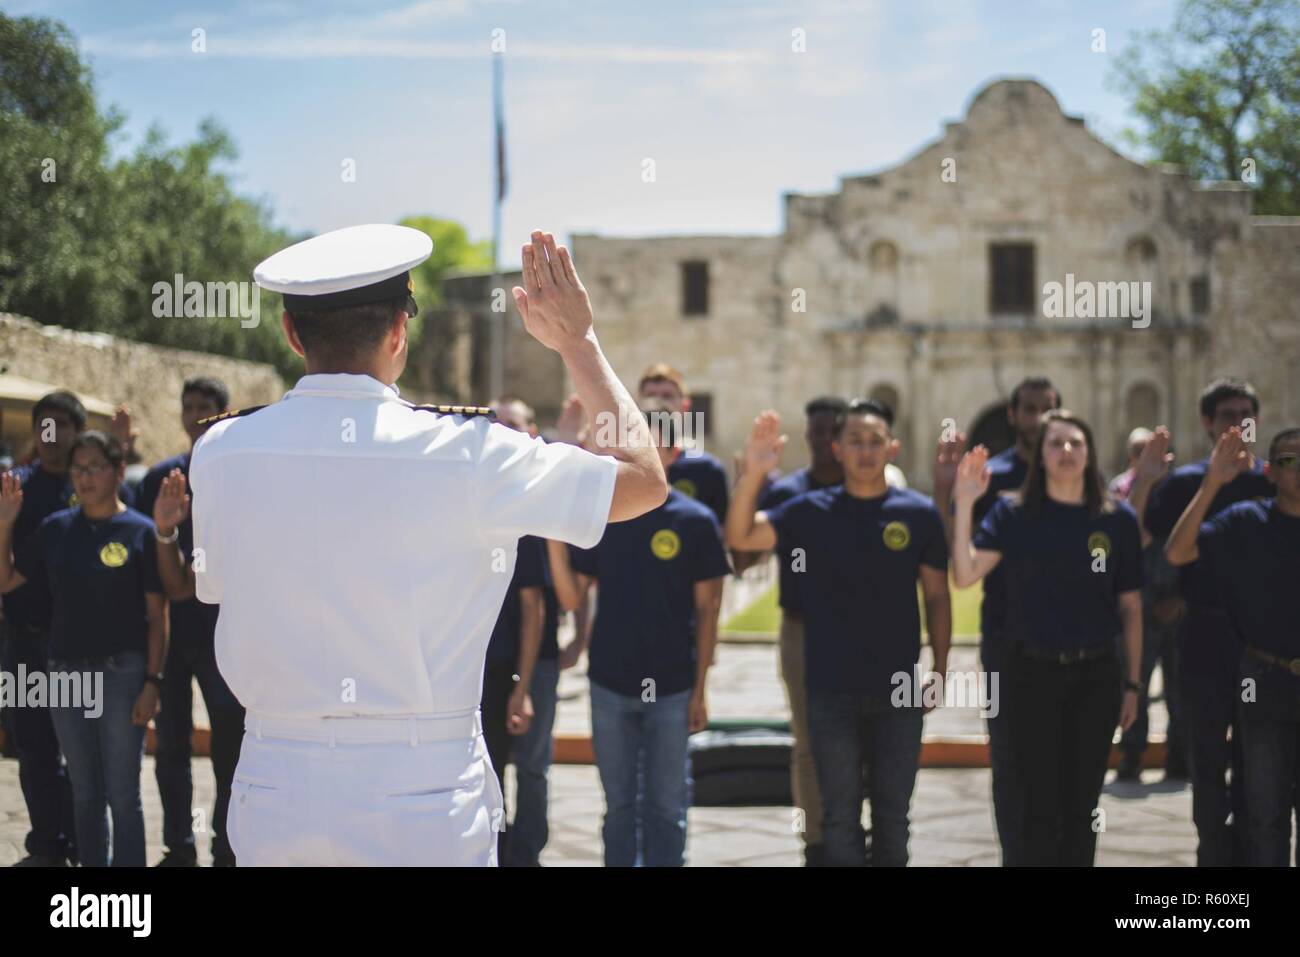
814,855
224,860
42,860
180,858
1130,769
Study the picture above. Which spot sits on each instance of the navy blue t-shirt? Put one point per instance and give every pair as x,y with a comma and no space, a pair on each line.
97,574
1007,472
530,572
700,476
44,493
645,617
862,624
1252,549
1170,499
782,490
1055,600
190,619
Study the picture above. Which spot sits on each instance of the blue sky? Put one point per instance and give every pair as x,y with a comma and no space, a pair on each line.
710,90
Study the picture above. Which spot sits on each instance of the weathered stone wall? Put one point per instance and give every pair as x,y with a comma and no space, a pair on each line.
147,378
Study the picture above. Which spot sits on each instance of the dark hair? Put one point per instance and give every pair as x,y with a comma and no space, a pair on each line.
825,403
209,388
64,402
1225,388
663,426
1034,383
107,444
1034,490
1286,435
865,407
344,335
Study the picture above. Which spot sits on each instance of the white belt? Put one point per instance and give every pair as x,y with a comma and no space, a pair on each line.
410,729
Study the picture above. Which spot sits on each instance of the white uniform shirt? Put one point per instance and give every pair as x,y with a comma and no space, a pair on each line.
360,549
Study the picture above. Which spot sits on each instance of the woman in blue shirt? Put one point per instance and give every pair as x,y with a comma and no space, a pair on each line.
1073,573
99,559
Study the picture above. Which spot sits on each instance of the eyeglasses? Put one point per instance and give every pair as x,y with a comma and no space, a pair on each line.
85,471
1287,460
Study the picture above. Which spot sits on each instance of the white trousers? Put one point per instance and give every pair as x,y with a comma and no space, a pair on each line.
348,800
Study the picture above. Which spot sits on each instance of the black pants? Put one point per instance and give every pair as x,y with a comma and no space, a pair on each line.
498,685
191,657
1209,657
1062,718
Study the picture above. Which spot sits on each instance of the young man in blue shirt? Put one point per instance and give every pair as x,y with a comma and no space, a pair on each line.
190,655
857,551
694,472
1030,399
659,579
1209,651
1251,550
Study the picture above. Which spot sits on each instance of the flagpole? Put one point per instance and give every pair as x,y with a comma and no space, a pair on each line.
496,368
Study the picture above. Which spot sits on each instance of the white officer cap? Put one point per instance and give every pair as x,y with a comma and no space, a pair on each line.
346,267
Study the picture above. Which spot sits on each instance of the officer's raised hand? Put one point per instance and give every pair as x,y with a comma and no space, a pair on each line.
552,301
172,504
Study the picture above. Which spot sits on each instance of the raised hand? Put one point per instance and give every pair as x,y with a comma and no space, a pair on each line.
11,498
947,456
1229,458
571,426
763,448
1156,458
172,504
552,301
972,476
120,427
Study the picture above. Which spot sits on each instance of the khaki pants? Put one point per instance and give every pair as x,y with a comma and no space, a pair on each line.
803,773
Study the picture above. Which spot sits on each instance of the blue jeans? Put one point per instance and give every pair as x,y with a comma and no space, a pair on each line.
104,755
1008,801
41,773
190,657
848,728
641,756
1270,732
533,751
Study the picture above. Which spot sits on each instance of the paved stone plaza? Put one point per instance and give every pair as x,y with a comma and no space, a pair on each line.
1147,824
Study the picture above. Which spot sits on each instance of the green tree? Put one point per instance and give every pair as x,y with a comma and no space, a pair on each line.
1219,94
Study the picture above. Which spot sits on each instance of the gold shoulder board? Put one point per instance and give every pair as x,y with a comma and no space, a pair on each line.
468,410
232,414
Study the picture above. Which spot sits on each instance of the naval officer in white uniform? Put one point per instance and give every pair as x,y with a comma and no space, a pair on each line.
360,548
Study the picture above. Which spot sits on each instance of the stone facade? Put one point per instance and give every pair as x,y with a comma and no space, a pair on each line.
887,288
147,378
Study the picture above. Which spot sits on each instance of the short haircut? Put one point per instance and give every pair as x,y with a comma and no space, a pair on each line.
1290,434
865,407
1034,383
1224,388
347,334
107,444
825,403
60,401
662,372
209,388
529,415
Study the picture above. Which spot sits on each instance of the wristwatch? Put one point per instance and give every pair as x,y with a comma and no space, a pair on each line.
156,680
1132,686
168,539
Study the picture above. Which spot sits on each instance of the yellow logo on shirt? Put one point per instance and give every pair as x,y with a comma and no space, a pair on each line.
113,554
896,536
685,486
1099,540
74,500
665,544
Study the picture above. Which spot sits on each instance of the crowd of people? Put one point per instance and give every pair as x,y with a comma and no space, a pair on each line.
1086,586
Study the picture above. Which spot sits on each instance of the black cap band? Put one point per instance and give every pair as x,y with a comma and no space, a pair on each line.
386,289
